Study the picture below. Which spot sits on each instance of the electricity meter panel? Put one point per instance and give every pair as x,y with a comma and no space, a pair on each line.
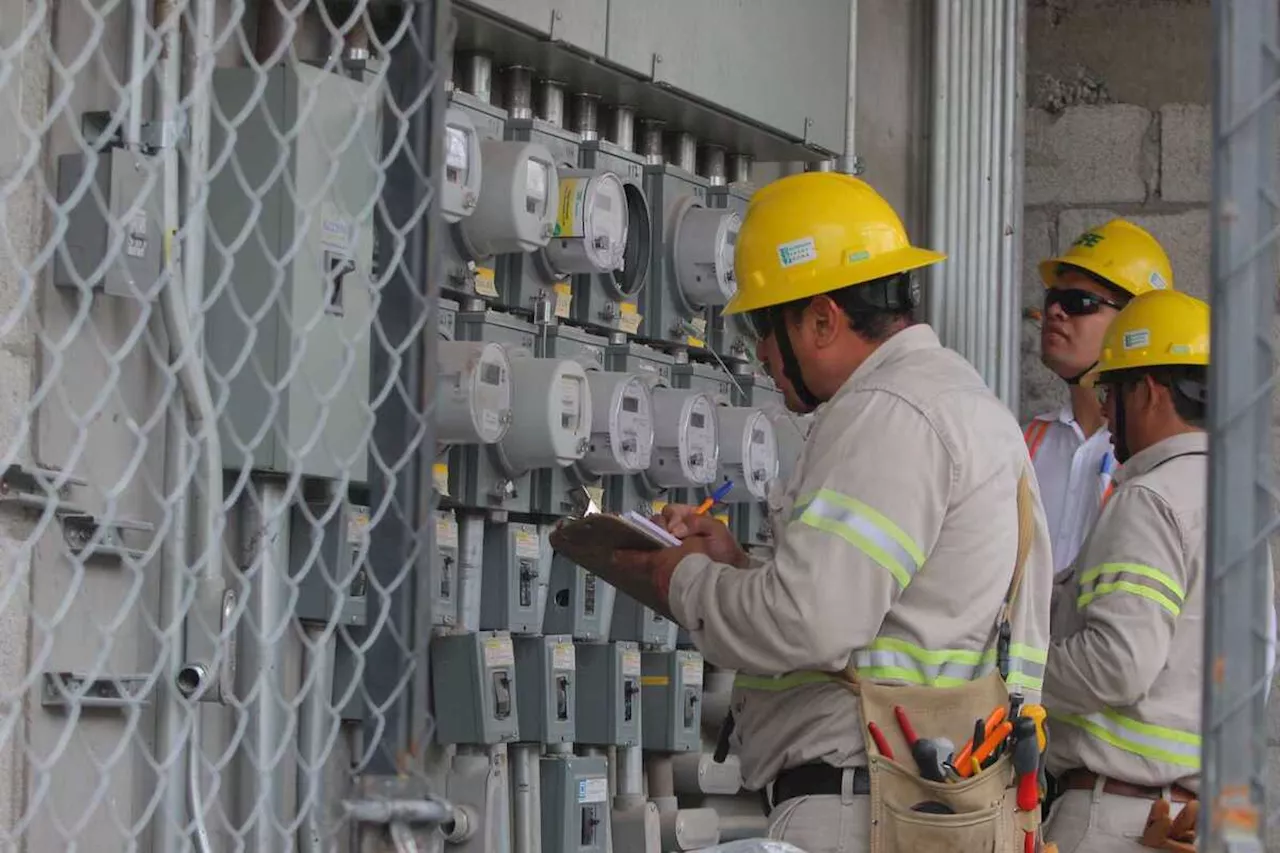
444,571
514,214
748,454
635,623
575,803
558,490
473,677
551,416
609,301
711,380
527,280
546,672
469,122
686,450
732,337
474,393
578,602
608,694
624,493
622,431
477,478
516,567
672,698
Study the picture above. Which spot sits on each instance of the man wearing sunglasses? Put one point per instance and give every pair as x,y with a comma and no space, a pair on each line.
1071,448
897,536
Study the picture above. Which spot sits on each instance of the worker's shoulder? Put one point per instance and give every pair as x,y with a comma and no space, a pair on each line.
1179,485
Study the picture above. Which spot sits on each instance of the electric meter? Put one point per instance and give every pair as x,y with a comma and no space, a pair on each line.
473,397
461,166
590,234
516,207
704,245
686,450
748,453
622,424
551,414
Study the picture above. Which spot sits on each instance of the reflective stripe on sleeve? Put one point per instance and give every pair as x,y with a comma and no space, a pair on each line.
865,529
1134,579
1156,743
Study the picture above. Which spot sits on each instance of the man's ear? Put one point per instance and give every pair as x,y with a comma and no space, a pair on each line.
826,318
1157,396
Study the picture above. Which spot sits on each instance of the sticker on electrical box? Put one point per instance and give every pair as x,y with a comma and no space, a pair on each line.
527,545
691,671
135,245
498,652
631,662
357,524
1137,338
563,657
564,299
336,231
571,218
446,531
440,477
797,252
484,282
593,790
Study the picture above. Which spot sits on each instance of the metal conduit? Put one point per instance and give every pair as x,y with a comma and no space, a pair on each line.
974,210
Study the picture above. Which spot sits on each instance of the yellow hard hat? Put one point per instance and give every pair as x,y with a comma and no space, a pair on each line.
817,232
1119,252
1160,328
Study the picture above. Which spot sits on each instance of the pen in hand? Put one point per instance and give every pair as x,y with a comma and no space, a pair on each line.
714,498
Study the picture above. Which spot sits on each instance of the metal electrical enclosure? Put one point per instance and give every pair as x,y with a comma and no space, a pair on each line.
575,804
289,270
608,694
517,563
320,563
473,677
578,602
465,276
553,488
731,337
610,301
444,575
671,686
546,675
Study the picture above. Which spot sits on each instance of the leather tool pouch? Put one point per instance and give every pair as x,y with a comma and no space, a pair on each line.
984,815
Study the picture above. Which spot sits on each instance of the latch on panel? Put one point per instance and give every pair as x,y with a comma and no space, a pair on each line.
66,689
32,488
79,530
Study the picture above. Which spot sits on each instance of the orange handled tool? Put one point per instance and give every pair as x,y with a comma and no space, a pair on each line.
991,744
980,735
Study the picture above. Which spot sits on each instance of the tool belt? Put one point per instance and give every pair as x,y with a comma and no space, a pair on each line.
816,779
1085,780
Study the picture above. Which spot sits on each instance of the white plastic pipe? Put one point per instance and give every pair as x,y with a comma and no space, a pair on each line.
849,159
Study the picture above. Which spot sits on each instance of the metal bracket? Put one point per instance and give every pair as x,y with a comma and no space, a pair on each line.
30,488
97,129
79,529
66,690
402,805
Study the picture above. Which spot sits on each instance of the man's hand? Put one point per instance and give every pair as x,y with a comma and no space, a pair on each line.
704,534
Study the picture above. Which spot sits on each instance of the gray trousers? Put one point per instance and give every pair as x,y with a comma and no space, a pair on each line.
825,824
1097,822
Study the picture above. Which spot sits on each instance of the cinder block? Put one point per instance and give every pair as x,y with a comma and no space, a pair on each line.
1088,155
1186,159
1185,237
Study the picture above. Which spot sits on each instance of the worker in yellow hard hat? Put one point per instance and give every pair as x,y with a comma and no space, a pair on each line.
1085,287
1124,679
898,564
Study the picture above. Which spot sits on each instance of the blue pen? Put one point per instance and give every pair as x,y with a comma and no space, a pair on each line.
1104,472
715,497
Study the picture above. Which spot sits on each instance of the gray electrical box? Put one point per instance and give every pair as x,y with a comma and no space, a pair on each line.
608,694
332,587
637,624
116,245
672,699
517,564
473,682
466,276
575,804
578,602
525,278
444,571
546,672
288,331
731,337
447,319
556,491
476,476
610,302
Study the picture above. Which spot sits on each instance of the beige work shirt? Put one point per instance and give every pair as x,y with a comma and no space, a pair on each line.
1123,683
898,535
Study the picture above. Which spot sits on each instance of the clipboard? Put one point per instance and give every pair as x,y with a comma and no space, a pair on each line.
590,542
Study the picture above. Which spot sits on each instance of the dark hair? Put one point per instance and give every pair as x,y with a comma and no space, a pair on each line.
876,309
1118,293
1188,386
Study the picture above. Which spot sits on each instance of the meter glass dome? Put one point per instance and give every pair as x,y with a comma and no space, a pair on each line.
474,393
622,430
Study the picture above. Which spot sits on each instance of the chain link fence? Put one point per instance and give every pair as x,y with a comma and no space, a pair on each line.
217,254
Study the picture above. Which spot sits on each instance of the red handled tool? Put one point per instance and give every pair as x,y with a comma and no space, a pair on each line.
881,744
932,755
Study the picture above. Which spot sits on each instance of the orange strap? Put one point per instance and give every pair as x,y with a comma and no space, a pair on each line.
1034,435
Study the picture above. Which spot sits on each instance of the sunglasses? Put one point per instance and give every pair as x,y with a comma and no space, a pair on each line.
1076,303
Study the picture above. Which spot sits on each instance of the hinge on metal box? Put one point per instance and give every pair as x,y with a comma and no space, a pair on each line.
33,488
66,690
401,805
79,529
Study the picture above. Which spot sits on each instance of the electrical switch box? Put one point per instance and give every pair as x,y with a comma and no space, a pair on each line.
288,330
671,686
546,674
609,301
732,337
578,602
444,571
692,266
447,319
116,249
517,564
469,122
331,587
575,803
638,624
608,694
473,680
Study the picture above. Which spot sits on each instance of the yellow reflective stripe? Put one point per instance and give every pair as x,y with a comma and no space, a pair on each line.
776,684
865,529
889,658
1157,743
1135,569
1029,653
1131,588
1025,680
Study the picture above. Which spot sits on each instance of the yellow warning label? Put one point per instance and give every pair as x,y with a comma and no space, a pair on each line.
484,282
570,220
697,342
629,322
654,681
440,477
564,299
